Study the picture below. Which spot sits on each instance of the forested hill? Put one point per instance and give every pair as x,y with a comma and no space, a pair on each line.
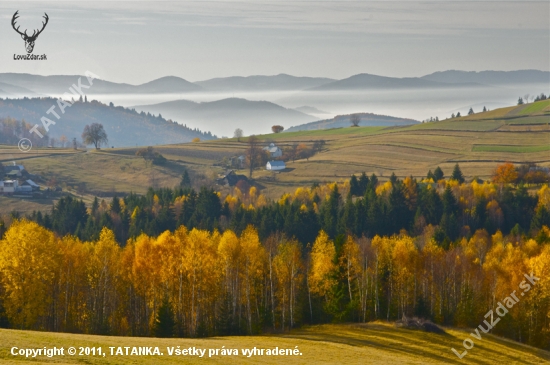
124,127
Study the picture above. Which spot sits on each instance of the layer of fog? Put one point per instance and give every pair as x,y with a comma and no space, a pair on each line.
417,104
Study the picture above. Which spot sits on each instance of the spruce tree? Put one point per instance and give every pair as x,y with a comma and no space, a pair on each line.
95,206
164,323
393,178
363,184
372,183
541,218
438,174
457,174
185,180
354,187
431,175
520,101
115,205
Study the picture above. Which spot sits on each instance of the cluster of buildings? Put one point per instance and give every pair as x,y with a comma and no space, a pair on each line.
230,178
273,164
16,181
274,152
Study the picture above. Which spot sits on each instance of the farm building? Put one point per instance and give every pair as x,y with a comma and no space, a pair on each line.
32,184
275,165
14,170
231,179
273,150
8,186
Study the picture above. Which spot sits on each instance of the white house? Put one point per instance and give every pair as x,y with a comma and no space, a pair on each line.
273,150
8,186
275,165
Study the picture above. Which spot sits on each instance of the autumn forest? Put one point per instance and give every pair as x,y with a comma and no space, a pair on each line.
181,263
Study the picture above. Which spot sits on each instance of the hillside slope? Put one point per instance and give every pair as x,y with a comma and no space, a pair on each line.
367,120
124,127
479,142
371,343
227,114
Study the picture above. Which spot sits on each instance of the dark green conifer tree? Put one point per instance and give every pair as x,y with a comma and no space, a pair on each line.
165,323
457,174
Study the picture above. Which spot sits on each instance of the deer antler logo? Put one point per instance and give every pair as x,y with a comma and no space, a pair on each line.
29,40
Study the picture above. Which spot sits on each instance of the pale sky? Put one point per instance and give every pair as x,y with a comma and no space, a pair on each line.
135,42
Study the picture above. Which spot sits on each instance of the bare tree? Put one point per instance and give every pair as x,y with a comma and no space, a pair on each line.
293,152
526,98
355,119
94,134
253,153
238,134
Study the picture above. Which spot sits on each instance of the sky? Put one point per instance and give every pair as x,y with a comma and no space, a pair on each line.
137,41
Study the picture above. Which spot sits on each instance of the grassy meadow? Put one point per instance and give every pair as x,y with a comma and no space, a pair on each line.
371,343
477,142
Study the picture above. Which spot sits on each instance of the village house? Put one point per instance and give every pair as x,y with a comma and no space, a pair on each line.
17,182
34,186
231,178
275,165
8,186
273,150
14,171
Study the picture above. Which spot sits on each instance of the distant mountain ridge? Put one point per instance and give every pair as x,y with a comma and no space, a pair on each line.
368,81
281,82
367,119
124,127
310,110
22,84
490,77
59,84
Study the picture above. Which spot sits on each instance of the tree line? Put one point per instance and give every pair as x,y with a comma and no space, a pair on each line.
362,206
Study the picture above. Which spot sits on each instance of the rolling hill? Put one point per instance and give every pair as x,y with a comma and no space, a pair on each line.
227,114
124,127
367,120
478,142
8,90
310,110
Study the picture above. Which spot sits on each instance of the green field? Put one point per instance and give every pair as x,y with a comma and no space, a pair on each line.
477,142
542,107
371,343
